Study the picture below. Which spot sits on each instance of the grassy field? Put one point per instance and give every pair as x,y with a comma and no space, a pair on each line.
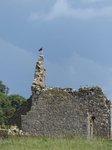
61,143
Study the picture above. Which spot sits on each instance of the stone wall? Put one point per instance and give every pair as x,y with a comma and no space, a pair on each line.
57,111
39,76
64,111
98,106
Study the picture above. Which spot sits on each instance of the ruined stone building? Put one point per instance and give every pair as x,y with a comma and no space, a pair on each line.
57,111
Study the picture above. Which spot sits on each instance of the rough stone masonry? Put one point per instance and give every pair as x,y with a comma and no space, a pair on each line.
39,80
57,111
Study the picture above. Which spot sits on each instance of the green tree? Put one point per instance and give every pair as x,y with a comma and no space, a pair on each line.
16,100
3,88
4,104
1,116
8,104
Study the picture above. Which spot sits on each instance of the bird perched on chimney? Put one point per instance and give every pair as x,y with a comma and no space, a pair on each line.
41,49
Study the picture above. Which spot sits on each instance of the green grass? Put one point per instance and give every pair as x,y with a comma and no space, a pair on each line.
61,143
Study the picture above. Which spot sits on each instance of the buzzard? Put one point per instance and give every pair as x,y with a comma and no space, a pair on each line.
41,49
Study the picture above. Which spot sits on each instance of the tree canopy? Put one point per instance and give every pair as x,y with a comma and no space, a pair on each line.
8,104
3,88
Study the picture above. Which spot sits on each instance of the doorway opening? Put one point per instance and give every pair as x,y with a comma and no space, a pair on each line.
91,126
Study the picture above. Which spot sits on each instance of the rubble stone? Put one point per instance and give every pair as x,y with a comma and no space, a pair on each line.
14,130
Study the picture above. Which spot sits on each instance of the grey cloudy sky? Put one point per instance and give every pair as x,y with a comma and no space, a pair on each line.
76,36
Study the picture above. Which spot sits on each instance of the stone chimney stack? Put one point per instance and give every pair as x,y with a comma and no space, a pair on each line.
39,77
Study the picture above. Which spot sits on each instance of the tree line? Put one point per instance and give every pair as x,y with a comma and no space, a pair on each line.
8,103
